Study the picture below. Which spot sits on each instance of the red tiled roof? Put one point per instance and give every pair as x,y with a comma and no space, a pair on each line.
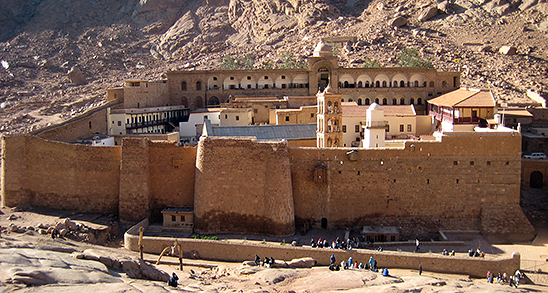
465,97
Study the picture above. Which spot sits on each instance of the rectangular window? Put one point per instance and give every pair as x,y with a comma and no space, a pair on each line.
455,163
173,219
356,128
408,127
401,127
237,118
488,163
311,115
119,123
182,218
471,163
286,118
344,128
226,116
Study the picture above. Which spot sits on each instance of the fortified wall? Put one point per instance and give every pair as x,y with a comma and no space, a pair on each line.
57,175
243,185
135,180
467,181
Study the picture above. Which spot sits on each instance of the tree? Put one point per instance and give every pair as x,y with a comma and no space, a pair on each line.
412,58
289,61
231,63
368,63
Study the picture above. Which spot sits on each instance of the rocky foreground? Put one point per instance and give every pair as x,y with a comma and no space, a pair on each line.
33,262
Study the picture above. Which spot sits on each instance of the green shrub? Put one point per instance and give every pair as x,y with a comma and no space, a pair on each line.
412,58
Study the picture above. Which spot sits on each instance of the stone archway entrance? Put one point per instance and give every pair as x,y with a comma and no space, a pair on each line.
323,78
324,223
536,179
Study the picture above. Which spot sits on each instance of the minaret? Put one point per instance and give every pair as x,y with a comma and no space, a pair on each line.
329,132
374,133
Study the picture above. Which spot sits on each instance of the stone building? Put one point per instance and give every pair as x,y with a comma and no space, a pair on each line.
205,88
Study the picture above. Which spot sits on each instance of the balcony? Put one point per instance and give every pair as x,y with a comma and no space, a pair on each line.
376,124
174,120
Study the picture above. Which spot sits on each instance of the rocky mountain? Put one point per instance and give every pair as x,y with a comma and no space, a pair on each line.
103,42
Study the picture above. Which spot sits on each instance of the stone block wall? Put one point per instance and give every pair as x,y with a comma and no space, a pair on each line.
172,172
429,184
83,126
242,251
134,179
56,175
243,186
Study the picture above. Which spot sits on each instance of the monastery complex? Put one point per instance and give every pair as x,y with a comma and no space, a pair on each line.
272,151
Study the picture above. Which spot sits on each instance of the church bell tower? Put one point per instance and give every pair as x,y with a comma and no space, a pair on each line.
329,130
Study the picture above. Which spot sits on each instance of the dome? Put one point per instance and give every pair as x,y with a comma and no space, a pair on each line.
375,106
323,50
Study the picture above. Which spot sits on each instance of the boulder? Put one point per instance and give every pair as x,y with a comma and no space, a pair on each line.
71,225
503,9
428,13
485,48
543,26
306,262
76,76
444,7
14,228
508,50
63,232
526,4
398,21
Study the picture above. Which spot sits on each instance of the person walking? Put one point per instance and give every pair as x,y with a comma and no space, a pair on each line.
420,270
417,245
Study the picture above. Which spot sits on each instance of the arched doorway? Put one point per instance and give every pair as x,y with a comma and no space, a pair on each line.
199,103
213,101
323,78
536,179
324,223
184,101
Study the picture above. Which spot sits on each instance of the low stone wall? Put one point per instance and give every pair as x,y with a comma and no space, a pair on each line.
237,251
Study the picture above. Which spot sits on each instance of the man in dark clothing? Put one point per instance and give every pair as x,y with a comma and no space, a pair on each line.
173,280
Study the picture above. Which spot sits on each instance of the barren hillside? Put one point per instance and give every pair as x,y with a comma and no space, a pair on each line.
109,41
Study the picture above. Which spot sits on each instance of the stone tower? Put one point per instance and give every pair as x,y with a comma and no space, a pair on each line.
375,126
329,132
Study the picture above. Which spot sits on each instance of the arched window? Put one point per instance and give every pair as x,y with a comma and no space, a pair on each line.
360,84
402,101
419,101
213,101
384,101
424,84
198,85
384,83
377,100
395,83
412,101
431,84
183,86
416,83
184,102
359,101
367,83
402,83
342,100
394,101
346,84
377,83
367,101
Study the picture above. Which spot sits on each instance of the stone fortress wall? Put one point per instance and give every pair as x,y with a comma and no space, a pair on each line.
57,175
246,186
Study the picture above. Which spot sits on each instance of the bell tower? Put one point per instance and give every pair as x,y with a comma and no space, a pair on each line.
329,130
